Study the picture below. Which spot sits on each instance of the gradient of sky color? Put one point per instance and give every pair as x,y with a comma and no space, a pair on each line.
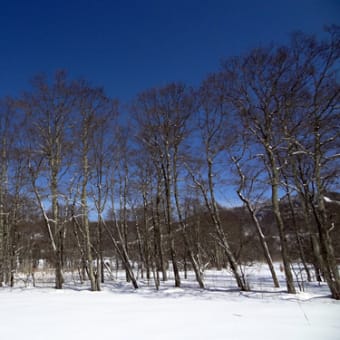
129,46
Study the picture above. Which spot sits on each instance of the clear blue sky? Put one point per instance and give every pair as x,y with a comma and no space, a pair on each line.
129,46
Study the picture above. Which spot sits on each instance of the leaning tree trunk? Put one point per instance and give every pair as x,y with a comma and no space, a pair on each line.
262,239
122,252
330,268
214,215
241,282
146,246
280,225
300,182
257,224
158,235
194,262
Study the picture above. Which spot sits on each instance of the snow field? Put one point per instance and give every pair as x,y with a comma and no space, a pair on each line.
220,312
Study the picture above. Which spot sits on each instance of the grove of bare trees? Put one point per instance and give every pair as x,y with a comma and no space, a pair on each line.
81,186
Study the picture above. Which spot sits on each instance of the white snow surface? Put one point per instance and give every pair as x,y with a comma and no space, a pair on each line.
218,313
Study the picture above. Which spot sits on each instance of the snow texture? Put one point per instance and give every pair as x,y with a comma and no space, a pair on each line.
217,313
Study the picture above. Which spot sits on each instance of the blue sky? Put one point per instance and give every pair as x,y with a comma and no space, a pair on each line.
129,46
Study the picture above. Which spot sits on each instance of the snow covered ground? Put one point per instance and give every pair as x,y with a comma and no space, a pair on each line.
219,312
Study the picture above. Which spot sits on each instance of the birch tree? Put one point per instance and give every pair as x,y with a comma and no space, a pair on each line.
48,108
214,124
318,63
162,116
254,82
5,122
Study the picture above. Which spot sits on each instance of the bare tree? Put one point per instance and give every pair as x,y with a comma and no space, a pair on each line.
245,191
47,110
254,84
103,144
320,86
90,103
214,125
162,116
4,160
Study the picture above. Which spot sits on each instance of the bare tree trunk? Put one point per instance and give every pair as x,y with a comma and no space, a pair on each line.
213,212
84,205
3,191
280,225
146,246
167,184
300,182
2,226
57,228
257,224
76,229
123,219
330,268
193,260
100,202
100,257
242,284
159,252
121,251
298,238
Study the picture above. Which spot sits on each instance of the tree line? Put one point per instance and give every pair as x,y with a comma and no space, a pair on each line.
78,185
